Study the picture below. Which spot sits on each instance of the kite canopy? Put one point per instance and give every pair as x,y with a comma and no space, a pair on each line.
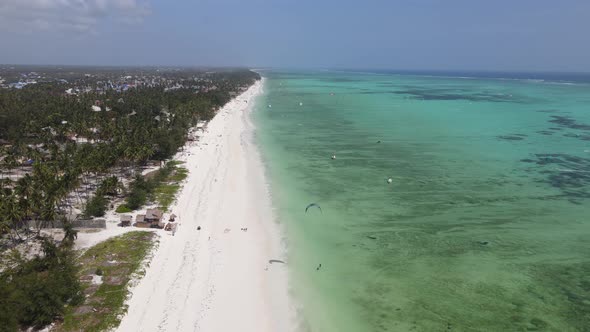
313,205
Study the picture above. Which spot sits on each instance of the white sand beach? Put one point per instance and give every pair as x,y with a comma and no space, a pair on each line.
218,278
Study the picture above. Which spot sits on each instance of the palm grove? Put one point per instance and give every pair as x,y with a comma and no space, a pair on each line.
59,139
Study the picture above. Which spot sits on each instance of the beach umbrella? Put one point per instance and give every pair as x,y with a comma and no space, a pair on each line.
313,205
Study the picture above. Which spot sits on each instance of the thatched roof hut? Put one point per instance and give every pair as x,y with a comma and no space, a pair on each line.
153,215
126,220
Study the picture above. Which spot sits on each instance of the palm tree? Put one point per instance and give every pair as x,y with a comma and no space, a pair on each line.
13,214
70,234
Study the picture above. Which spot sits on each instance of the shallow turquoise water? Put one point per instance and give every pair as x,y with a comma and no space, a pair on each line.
484,227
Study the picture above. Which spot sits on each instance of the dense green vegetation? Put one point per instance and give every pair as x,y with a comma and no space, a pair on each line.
165,192
64,141
37,196
161,186
97,205
53,145
35,292
140,190
104,303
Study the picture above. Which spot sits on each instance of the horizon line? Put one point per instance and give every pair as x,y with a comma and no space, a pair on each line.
315,68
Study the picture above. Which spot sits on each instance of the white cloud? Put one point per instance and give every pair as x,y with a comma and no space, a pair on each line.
77,15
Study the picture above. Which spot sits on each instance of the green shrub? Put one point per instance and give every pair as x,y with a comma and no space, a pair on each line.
96,206
179,175
136,199
142,189
123,209
140,183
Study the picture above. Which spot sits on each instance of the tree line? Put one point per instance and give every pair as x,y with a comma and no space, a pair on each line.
59,142
61,139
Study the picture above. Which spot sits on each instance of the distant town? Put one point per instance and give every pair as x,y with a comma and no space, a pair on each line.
76,80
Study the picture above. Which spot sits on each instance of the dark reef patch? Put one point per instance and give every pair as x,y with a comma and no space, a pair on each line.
372,92
566,121
510,137
445,94
578,136
545,132
568,173
340,80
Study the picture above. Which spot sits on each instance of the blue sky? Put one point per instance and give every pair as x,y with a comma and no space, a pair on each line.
527,35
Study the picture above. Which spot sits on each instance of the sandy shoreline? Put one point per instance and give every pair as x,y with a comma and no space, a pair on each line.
218,278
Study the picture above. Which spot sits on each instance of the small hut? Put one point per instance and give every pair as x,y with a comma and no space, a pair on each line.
171,228
140,221
172,218
154,218
126,220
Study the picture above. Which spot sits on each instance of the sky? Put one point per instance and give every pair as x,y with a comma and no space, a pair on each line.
499,35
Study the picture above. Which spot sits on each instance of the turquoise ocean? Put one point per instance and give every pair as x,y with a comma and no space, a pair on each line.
485,225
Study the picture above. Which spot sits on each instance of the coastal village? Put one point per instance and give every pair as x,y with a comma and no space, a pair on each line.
95,156
72,82
76,80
